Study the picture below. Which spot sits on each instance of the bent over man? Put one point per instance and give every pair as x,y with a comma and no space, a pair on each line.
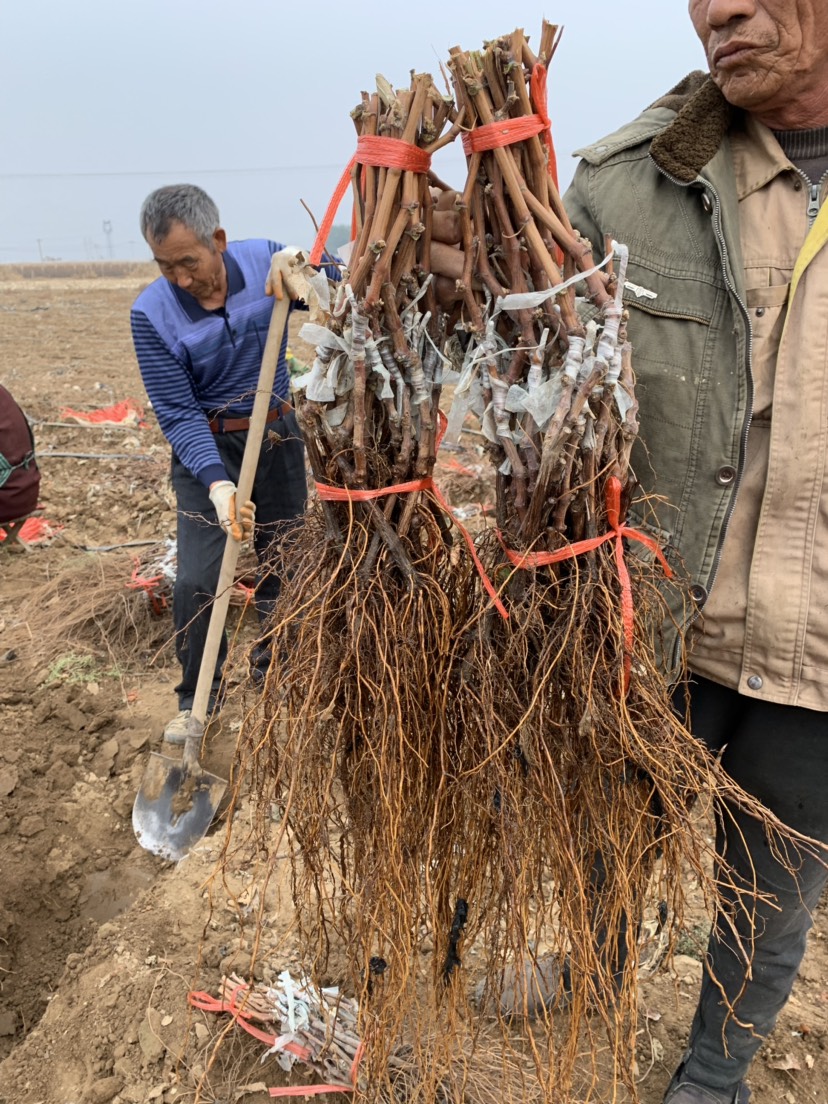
718,189
199,333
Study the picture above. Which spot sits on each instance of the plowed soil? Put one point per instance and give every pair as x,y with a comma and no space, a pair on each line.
100,941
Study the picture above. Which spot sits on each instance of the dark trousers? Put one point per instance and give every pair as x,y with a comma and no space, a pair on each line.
279,492
779,754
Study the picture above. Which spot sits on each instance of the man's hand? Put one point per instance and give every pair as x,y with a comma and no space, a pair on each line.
237,522
283,267
291,273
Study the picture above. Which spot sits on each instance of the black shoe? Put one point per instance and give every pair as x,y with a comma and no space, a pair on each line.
684,1091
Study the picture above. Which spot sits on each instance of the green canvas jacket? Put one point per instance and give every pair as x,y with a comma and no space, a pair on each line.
664,186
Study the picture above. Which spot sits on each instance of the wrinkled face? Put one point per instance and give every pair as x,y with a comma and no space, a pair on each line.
188,263
768,56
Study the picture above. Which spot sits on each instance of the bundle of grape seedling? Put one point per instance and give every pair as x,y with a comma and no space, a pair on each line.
474,754
590,772
356,742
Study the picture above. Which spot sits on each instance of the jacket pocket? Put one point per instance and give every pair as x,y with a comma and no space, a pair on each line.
663,295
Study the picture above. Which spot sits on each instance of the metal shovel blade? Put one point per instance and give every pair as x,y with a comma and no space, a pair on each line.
174,806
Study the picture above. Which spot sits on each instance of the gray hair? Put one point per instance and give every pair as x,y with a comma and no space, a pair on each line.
184,203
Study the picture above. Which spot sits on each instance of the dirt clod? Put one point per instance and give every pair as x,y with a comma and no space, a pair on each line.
8,780
149,1037
101,1092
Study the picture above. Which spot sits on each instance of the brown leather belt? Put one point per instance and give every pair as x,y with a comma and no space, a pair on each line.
219,424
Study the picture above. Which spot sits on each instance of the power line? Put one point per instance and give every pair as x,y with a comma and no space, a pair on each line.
338,165
165,172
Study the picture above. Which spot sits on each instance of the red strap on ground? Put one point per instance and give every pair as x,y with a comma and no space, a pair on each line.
347,494
315,1090
382,153
125,412
150,586
207,1003
309,1090
617,532
32,531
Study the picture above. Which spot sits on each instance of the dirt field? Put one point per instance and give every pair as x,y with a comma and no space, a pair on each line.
100,942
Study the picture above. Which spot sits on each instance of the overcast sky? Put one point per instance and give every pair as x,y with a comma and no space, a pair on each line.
104,100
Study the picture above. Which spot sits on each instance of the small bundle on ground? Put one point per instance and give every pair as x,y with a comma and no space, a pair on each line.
109,606
314,1032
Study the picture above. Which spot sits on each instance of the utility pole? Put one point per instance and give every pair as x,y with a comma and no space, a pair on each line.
40,247
107,229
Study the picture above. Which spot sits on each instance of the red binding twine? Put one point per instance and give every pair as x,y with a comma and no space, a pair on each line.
508,131
348,494
617,532
381,153
151,585
206,1003
537,88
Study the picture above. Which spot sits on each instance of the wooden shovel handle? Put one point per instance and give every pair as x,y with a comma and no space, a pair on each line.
250,461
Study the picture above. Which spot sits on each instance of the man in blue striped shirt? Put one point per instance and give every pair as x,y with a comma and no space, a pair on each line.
199,333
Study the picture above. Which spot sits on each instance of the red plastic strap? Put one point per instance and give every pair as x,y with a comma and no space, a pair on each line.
504,133
315,1090
617,532
137,581
537,89
382,153
330,214
207,1003
120,413
508,131
391,153
309,1090
149,584
346,494
32,531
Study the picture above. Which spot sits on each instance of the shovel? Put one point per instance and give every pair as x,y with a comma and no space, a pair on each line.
178,799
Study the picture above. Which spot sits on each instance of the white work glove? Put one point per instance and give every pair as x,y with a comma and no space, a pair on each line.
290,273
283,267
237,522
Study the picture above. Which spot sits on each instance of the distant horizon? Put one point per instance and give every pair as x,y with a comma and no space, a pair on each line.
339,235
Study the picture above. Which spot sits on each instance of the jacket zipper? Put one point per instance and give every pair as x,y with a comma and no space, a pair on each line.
814,190
717,228
813,204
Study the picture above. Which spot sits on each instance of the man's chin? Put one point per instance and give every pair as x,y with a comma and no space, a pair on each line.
746,89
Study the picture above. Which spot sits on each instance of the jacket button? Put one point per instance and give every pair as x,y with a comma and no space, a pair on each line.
698,593
760,311
707,203
755,682
725,475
